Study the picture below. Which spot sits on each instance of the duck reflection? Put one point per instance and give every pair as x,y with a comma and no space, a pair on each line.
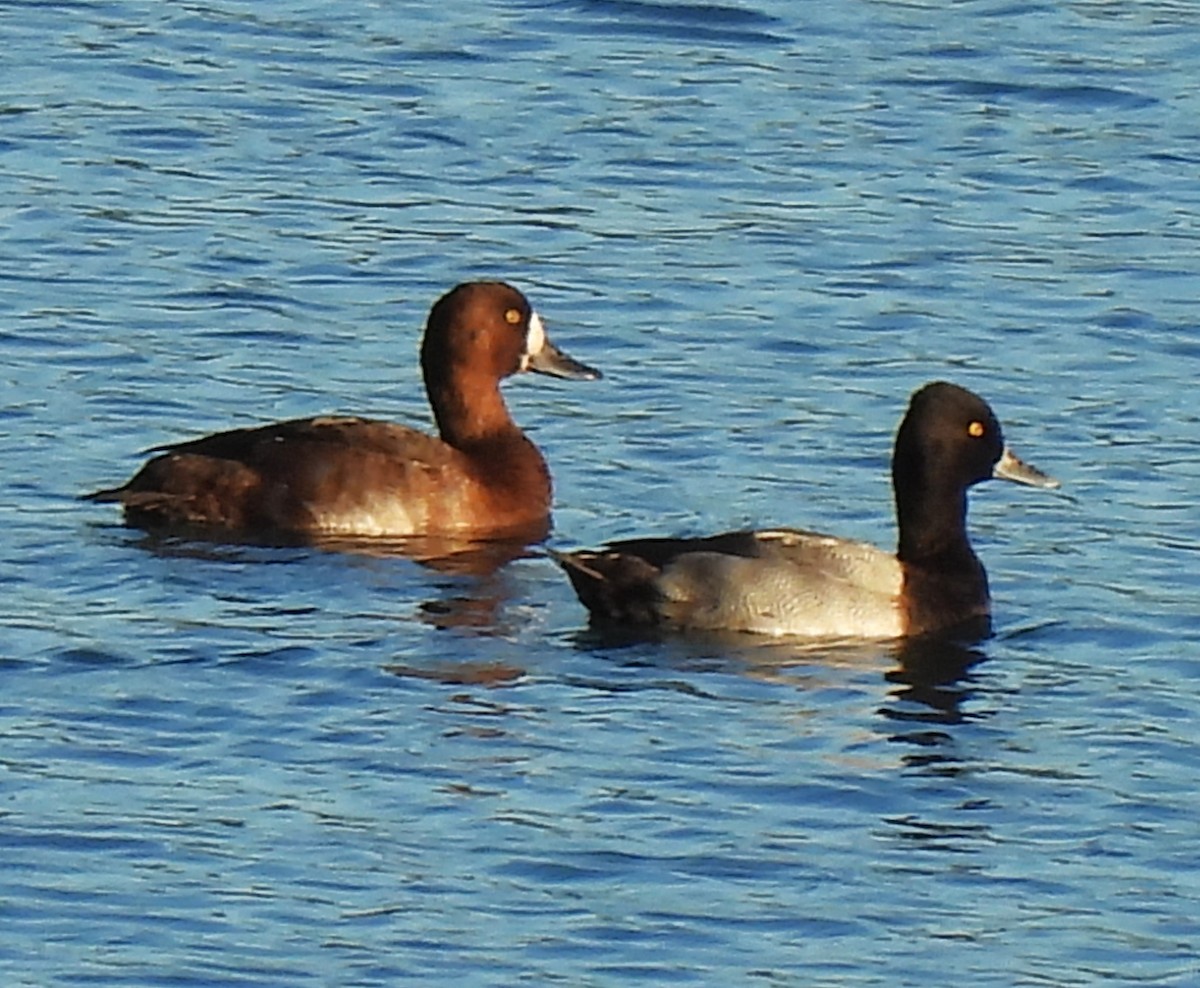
469,589
932,681
473,595
928,678
443,553
932,675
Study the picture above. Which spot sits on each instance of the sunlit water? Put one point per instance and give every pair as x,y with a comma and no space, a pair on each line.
768,223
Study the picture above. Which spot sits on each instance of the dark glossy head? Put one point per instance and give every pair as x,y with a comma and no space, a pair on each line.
951,438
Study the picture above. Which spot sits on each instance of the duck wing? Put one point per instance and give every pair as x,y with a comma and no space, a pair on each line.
777,582
325,474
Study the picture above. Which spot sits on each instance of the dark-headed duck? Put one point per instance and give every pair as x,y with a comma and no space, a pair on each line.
791,582
343,476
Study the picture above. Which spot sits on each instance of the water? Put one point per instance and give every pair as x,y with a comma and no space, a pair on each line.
768,223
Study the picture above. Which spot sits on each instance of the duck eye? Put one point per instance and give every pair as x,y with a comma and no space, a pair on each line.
976,429
512,316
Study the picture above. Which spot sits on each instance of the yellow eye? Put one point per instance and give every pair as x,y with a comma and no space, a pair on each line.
512,316
976,429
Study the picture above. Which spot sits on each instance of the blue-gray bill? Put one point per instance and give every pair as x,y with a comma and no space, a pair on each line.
551,360
1011,467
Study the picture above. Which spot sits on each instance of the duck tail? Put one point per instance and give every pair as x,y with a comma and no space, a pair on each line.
615,587
109,495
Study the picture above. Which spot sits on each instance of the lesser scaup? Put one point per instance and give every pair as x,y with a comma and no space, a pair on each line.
793,582
347,476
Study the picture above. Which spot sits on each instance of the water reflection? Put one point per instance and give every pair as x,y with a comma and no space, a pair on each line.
460,673
932,680
914,833
929,678
444,554
467,587
470,600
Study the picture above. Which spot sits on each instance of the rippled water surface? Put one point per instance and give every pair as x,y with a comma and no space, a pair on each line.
768,222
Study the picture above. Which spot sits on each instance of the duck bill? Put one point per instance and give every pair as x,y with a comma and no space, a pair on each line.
551,360
544,357
1011,467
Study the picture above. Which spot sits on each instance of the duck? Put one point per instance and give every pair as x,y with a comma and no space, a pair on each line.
337,476
794,582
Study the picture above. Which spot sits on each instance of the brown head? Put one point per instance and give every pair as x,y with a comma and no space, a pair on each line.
478,334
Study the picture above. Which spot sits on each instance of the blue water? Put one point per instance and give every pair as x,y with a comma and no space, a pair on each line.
768,222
